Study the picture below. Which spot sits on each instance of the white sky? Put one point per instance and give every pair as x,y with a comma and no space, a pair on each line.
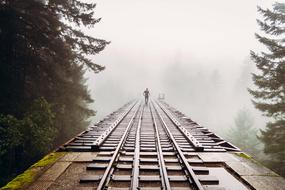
147,36
209,28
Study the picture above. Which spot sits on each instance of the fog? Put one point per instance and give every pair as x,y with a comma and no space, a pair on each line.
195,52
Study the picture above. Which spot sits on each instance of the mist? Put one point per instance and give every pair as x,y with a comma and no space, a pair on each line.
196,53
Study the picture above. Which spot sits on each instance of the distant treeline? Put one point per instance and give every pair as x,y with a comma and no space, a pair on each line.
43,96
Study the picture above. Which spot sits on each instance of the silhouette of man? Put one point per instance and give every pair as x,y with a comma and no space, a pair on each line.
146,95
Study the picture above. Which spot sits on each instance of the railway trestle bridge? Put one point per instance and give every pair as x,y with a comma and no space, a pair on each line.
151,147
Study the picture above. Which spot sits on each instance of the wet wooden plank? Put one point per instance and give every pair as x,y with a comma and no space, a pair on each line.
69,156
40,185
86,157
265,182
54,172
249,168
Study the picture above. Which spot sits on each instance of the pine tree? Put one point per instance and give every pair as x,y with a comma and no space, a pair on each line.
269,97
43,56
37,44
243,134
43,53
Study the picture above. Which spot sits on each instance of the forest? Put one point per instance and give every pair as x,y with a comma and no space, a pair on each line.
45,98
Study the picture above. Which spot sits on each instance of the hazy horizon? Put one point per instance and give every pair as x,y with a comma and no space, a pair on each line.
197,53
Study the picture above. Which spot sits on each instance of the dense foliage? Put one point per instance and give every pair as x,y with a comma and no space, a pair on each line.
43,96
269,97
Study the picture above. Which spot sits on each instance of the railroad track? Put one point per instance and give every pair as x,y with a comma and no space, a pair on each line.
147,149
151,147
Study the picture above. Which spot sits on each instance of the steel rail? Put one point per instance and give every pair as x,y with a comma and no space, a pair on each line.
102,182
189,169
165,180
136,162
96,144
196,144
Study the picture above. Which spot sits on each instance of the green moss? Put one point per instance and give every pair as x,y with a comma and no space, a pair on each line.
31,173
243,155
49,159
246,156
21,180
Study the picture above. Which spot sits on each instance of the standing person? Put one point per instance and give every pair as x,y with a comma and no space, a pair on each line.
146,95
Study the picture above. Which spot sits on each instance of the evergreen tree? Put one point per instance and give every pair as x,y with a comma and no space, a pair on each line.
244,135
269,97
43,57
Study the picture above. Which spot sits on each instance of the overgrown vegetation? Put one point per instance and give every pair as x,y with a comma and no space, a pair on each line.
43,96
269,97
